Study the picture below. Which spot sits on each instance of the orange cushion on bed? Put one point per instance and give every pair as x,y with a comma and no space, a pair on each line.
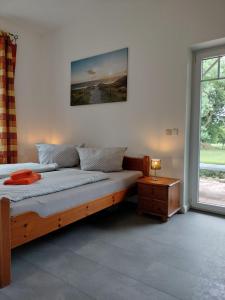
21,174
23,181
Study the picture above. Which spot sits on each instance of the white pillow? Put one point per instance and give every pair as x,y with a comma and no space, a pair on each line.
64,155
101,159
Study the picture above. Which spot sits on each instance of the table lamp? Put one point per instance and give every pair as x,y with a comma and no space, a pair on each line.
155,165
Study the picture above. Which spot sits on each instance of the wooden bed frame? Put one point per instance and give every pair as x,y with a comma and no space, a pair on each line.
18,230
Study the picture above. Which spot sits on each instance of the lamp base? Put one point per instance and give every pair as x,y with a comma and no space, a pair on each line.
155,178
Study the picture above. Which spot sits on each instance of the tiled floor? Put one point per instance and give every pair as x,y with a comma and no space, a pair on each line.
120,255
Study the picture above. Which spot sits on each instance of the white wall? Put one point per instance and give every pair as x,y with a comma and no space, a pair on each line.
31,105
159,35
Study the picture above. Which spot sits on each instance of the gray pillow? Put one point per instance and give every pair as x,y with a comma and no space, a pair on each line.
102,159
64,155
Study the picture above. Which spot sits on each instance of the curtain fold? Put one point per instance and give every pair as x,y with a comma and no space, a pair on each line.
8,132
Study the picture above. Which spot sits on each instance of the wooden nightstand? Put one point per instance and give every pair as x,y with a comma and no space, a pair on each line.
159,197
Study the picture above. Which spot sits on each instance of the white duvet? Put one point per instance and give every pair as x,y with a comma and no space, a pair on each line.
51,182
7,169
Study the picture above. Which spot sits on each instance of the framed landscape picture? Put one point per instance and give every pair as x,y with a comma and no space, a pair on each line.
100,79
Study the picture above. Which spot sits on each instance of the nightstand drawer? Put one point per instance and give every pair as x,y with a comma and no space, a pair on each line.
154,192
153,206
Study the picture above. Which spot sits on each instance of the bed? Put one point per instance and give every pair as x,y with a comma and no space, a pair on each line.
32,218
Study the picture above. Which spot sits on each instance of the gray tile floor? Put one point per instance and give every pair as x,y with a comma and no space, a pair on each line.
119,255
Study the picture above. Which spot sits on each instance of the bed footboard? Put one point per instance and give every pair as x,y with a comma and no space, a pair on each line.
5,243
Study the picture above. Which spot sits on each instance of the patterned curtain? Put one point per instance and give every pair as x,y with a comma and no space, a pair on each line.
8,134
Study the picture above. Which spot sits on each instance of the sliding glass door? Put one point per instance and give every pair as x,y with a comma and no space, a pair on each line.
208,131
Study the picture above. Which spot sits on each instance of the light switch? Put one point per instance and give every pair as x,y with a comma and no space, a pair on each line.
172,131
168,131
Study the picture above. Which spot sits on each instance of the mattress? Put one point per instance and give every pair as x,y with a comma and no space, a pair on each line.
53,203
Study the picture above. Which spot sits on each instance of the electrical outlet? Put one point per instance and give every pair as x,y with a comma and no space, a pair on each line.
175,131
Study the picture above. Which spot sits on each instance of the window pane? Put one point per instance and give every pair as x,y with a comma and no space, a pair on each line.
222,66
212,111
210,68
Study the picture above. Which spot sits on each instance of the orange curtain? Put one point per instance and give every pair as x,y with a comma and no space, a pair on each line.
8,133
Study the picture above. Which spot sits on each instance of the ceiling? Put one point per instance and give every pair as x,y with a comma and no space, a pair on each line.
48,15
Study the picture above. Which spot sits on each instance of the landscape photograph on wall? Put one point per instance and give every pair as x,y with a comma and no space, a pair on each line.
100,79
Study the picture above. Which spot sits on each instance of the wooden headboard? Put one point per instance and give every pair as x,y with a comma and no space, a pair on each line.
137,164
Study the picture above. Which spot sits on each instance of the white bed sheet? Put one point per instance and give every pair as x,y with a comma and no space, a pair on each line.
60,201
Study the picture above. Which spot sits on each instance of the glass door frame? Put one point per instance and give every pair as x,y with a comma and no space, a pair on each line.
198,56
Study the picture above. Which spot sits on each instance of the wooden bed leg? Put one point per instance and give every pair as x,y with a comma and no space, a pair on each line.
5,243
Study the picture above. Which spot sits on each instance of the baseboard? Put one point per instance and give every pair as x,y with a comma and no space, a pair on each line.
185,208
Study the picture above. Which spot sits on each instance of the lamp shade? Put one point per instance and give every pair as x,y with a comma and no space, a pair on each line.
155,164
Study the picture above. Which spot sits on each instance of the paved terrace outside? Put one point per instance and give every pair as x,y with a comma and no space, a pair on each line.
212,191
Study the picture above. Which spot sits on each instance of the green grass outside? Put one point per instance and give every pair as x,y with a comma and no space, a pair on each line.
212,156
